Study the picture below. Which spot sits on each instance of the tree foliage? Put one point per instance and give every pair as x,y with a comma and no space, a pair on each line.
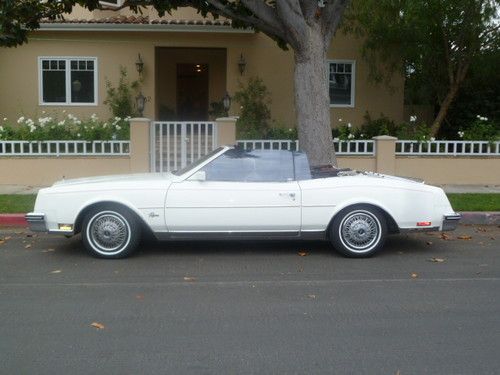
433,42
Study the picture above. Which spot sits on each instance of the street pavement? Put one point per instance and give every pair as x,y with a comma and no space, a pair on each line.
424,305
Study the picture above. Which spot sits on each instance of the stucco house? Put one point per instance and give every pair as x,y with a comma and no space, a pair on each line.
189,62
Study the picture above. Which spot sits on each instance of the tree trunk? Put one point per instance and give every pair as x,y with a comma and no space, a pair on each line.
443,109
312,100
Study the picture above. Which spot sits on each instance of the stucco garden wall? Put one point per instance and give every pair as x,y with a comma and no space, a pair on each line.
44,171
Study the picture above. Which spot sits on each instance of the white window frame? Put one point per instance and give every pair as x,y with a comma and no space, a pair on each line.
353,82
67,72
119,3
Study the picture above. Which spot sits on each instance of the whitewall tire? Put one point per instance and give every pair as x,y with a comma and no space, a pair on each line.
358,231
110,232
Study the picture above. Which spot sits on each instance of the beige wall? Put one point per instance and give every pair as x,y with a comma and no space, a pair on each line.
19,72
451,170
40,171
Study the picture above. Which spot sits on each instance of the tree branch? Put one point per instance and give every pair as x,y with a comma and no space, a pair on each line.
447,57
309,8
331,17
292,20
273,28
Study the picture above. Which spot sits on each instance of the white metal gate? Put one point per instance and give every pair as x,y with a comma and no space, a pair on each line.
176,144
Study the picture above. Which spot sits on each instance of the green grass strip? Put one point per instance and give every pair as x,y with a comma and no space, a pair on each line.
16,203
475,201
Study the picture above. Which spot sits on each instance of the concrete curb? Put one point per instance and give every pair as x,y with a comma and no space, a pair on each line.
479,218
13,220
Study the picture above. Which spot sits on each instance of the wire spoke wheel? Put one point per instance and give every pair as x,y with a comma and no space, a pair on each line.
110,232
359,231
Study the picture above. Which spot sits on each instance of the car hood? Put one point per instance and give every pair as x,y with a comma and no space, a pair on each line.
143,181
134,178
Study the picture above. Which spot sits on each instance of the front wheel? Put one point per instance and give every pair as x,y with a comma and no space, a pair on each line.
110,232
358,231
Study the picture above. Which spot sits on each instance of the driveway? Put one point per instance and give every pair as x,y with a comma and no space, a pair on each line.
424,305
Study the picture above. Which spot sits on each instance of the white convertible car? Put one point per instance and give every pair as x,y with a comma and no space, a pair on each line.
233,193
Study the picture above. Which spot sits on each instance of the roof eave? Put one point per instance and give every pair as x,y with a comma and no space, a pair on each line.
142,27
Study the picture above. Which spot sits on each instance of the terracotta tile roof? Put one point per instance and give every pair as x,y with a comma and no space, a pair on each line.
143,20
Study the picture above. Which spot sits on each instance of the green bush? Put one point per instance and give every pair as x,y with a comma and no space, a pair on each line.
68,128
383,126
120,99
255,116
482,129
217,110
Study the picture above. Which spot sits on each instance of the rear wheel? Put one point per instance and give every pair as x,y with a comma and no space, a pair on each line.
358,231
110,232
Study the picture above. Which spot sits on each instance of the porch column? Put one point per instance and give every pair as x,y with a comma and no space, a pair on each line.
385,154
139,145
226,131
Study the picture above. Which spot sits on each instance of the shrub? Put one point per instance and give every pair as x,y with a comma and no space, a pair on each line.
381,126
482,129
68,128
217,110
121,99
255,115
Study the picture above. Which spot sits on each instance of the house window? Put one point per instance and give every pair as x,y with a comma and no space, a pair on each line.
68,80
341,83
113,3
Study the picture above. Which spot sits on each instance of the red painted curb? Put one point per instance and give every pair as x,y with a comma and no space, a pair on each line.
13,220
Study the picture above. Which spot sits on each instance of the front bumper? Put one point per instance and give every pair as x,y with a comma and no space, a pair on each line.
36,222
450,222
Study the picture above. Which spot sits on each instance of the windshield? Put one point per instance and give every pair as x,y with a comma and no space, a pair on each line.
197,162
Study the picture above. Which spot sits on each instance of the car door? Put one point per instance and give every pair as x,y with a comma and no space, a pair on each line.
242,192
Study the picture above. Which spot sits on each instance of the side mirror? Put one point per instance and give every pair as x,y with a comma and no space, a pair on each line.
199,176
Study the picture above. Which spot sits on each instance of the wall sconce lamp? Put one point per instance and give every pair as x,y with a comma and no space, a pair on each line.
139,64
226,102
242,64
140,102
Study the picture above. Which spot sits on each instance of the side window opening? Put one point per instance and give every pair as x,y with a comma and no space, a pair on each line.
251,166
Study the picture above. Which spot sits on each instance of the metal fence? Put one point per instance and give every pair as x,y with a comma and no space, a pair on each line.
354,147
176,144
64,148
448,148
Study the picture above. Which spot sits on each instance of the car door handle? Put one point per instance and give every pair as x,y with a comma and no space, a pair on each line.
290,195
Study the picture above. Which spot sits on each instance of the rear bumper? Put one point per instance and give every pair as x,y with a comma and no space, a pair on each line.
36,222
450,222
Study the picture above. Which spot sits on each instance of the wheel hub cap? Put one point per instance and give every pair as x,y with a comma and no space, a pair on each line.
109,232
360,231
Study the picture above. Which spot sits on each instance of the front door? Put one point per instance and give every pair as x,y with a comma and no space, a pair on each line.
192,92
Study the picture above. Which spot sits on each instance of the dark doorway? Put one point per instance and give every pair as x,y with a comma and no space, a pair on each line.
192,91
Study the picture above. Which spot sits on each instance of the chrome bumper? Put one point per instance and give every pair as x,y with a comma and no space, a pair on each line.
36,222
450,222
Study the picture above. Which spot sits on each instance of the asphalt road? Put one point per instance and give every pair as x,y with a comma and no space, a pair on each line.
425,305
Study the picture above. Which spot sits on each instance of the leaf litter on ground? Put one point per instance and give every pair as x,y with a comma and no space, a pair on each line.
97,325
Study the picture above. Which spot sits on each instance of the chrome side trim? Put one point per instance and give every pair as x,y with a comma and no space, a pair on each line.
36,222
258,236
